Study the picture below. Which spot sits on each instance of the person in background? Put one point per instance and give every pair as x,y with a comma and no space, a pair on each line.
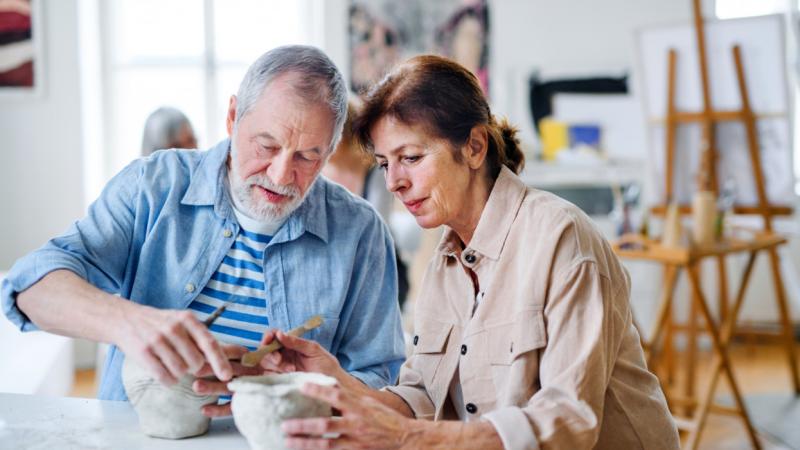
167,127
352,167
523,333
247,223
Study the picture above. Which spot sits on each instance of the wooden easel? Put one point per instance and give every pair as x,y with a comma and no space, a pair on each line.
708,118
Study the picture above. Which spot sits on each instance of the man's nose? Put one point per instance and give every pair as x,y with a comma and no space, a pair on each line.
281,169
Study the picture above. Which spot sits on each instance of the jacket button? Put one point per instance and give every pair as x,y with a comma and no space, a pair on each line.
227,233
471,408
416,339
470,258
463,349
190,288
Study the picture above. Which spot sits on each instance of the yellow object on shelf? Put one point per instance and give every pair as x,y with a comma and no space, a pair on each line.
555,137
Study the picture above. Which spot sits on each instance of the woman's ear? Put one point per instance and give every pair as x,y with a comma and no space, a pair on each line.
474,151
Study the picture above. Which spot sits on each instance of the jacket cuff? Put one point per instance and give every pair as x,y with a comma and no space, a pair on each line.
416,398
513,427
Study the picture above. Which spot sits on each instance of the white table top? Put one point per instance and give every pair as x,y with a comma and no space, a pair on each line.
49,423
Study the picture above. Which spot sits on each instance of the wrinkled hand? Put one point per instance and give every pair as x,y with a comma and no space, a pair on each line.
171,343
213,386
299,355
364,423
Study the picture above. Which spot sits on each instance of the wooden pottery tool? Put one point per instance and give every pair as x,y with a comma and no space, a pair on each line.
251,359
217,312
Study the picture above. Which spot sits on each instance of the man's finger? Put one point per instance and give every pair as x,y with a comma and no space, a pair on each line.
158,370
217,410
210,348
238,370
163,350
210,387
182,343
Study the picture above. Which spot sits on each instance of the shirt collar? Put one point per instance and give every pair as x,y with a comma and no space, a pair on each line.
496,219
207,188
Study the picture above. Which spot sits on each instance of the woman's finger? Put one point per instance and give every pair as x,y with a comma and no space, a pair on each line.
315,427
268,337
300,345
331,395
315,443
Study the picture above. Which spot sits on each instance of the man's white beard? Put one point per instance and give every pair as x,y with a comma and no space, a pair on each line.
252,203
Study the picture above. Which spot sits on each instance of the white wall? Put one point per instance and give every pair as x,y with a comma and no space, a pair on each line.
40,163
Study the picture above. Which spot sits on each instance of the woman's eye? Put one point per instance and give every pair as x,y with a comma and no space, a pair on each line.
412,159
384,165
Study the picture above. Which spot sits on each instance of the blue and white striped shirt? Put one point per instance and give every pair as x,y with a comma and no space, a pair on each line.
239,281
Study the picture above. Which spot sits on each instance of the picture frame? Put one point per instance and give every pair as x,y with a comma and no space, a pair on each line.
21,49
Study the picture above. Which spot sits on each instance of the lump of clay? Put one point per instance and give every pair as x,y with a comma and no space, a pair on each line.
261,403
171,412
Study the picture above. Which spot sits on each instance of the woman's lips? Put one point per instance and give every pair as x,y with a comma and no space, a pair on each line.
414,205
272,197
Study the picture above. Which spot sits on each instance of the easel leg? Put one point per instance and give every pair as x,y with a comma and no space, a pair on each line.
786,323
691,343
721,360
722,276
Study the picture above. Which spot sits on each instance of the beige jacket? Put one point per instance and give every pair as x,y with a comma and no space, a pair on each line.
550,357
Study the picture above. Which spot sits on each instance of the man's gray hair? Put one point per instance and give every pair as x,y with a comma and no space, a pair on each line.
319,81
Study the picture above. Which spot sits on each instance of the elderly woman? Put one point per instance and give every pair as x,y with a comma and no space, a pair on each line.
523,330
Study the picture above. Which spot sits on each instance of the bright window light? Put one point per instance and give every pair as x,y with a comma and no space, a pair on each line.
187,54
731,9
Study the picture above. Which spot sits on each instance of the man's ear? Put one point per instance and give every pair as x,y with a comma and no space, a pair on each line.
231,119
474,151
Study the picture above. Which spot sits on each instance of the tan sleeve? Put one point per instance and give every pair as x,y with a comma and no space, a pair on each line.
585,326
411,388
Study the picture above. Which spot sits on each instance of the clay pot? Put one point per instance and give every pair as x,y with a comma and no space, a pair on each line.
261,403
171,412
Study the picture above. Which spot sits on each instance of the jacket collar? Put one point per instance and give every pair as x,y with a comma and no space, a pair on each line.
496,219
208,188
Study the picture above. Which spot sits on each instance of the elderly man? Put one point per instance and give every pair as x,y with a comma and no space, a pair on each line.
248,223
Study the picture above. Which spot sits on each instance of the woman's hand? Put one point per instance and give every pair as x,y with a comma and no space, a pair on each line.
364,423
300,355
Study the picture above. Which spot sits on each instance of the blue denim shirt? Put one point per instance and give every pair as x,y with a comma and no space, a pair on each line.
162,226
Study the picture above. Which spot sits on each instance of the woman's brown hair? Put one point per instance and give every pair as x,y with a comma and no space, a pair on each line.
447,101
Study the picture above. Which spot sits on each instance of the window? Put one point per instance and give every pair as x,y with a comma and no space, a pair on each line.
189,54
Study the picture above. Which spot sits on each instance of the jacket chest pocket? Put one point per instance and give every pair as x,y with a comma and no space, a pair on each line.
511,340
514,356
430,343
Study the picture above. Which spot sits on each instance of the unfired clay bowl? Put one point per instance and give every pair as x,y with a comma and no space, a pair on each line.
171,412
261,403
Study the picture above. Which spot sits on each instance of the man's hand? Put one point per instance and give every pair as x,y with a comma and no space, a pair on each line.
170,343
213,386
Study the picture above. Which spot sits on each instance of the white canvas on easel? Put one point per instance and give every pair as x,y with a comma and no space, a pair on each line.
763,50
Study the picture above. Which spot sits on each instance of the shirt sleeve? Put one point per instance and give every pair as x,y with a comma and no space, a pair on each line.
370,345
96,248
585,327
